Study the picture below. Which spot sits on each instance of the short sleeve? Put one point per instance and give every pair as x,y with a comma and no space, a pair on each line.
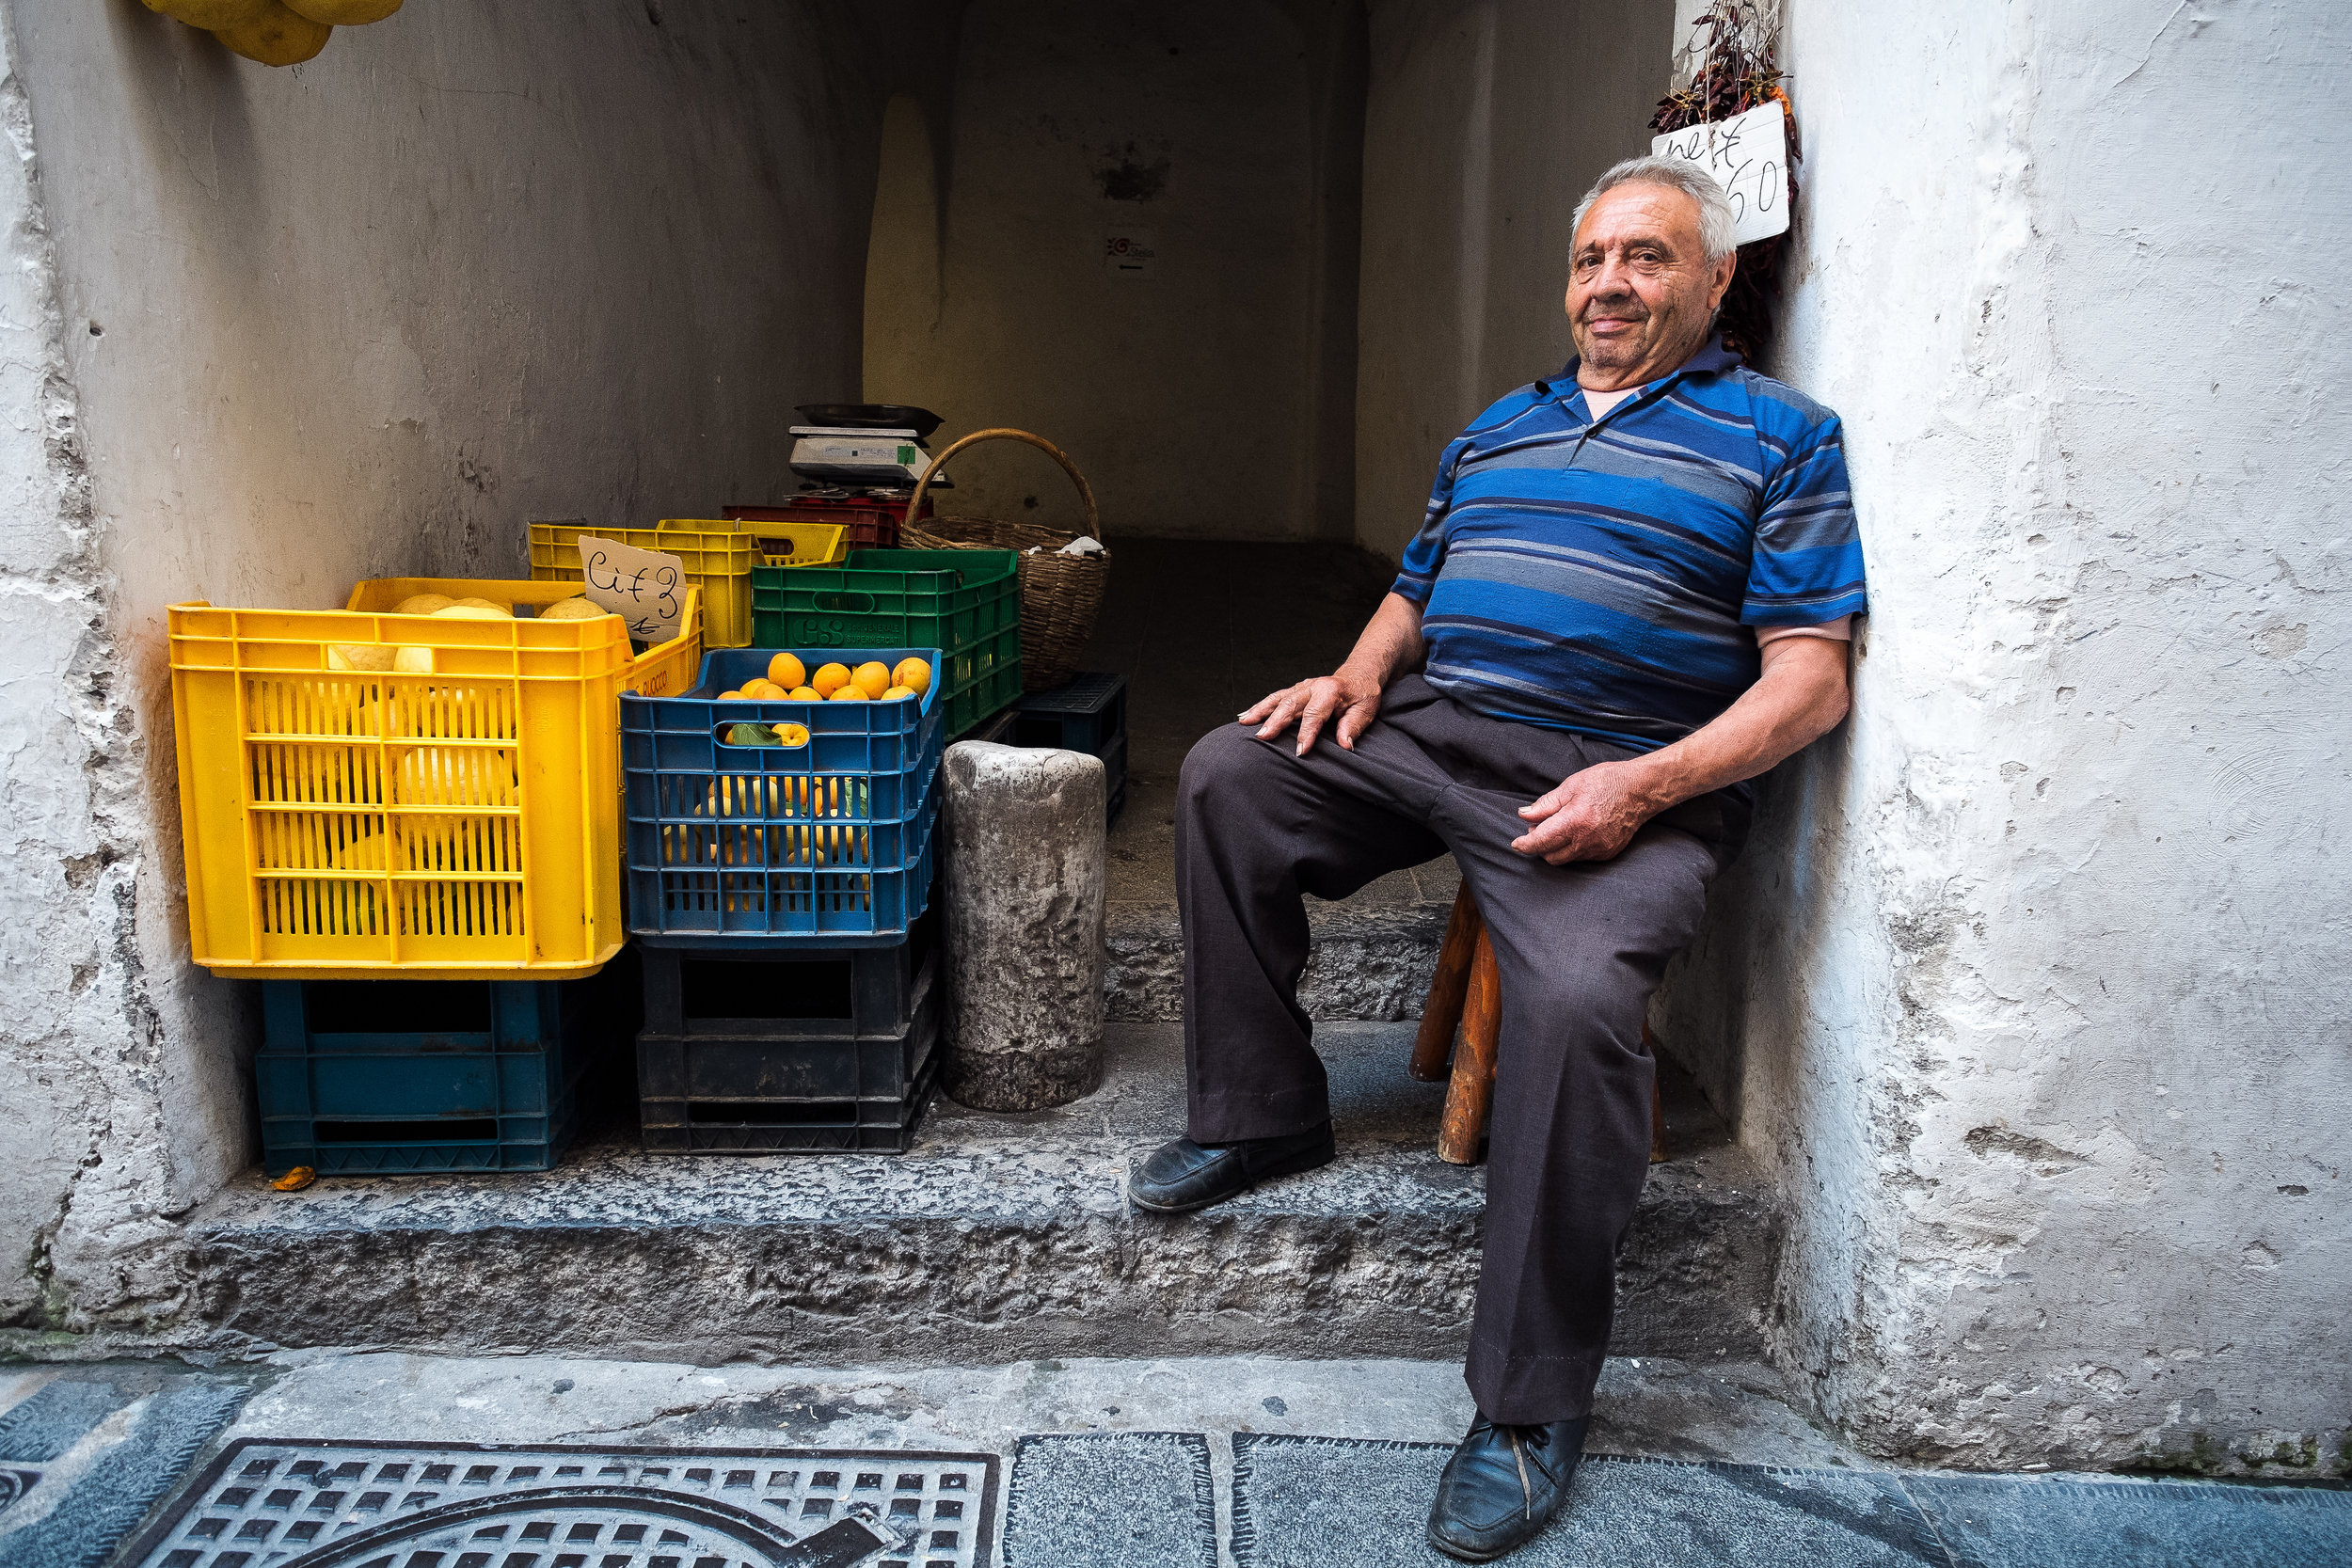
1425,554
1806,568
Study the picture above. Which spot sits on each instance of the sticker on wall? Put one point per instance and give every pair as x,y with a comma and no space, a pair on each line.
1130,251
1748,155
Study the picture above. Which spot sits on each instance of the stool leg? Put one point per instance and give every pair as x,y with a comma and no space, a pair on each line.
1657,1104
1470,1097
1442,1013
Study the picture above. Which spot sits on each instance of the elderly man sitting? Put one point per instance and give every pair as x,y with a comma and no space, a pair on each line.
1633,590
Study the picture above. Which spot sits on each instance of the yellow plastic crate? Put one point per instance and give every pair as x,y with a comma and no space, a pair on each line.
717,555
460,823
661,671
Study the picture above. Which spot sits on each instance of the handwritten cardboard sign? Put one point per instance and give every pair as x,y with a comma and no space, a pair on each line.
1748,155
644,588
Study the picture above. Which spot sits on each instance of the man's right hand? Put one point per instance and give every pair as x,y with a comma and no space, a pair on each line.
1354,698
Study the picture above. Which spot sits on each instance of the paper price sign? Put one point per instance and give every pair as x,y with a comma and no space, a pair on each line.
644,588
1748,155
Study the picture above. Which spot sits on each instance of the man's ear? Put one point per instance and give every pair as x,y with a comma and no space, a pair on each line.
1721,284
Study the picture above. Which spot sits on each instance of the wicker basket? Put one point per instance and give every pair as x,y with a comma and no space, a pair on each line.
1061,594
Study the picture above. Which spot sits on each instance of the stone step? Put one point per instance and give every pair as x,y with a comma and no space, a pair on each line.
1373,953
1370,963
997,1237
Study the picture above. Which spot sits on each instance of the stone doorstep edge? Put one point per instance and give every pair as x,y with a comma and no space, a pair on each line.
1694,1280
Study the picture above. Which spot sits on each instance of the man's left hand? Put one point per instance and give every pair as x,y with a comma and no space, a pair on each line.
1592,816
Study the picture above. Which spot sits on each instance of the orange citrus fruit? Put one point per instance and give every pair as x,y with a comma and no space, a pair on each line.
802,694
791,735
735,696
896,693
830,678
787,671
849,694
873,679
912,674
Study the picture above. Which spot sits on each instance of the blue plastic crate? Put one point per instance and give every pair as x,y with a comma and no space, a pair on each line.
830,841
388,1076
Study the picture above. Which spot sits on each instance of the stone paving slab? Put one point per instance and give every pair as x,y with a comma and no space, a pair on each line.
2074,1522
83,1458
1305,1502
1289,1461
1133,1499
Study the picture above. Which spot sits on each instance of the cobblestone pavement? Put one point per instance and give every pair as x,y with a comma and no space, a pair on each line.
351,1460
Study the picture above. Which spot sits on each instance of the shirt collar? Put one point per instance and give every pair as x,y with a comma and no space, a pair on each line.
1712,358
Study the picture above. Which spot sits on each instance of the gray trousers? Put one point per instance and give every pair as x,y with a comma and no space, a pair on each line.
1579,948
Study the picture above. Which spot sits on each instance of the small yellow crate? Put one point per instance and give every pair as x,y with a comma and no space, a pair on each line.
455,816
717,555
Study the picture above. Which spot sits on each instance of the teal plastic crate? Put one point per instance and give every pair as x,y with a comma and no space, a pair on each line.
965,603
386,1076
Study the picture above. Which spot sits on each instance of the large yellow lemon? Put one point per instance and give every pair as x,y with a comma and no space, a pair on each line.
345,13
360,655
787,671
912,674
830,678
849,694
803,694
873,679
208,14
277,36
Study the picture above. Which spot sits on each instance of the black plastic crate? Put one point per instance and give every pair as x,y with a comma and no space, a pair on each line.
386,1076
786,989
996,727
1087,714
704,1092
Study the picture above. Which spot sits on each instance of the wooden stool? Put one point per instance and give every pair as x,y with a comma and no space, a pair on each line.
1467,993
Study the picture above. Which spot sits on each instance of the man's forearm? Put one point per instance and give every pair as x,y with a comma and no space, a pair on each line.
1801,696
1390,644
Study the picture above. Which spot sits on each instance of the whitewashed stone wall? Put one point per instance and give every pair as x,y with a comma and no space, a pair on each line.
2034,985
269,332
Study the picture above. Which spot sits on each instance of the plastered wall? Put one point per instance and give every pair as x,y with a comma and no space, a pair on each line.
1486,122
2033,984
274,331
1210,398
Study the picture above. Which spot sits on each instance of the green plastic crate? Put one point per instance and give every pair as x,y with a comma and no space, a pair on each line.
965,603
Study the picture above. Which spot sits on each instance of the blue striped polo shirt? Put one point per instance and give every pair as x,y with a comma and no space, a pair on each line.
1605,576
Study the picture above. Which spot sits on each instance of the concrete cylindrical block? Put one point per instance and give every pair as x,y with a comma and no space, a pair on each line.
1026,872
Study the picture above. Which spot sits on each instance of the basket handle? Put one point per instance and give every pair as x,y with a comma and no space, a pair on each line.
1085,491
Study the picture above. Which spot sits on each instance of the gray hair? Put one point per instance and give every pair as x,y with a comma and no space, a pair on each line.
1715,218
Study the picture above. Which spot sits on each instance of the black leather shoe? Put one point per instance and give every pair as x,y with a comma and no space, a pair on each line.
1501,1486
1182,1175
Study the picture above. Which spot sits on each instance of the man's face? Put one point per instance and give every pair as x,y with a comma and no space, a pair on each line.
1640,290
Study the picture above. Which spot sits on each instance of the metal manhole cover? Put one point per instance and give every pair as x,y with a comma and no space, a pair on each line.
267,1503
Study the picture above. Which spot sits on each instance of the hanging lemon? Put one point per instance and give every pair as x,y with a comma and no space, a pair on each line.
345,13
277,36
212,14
